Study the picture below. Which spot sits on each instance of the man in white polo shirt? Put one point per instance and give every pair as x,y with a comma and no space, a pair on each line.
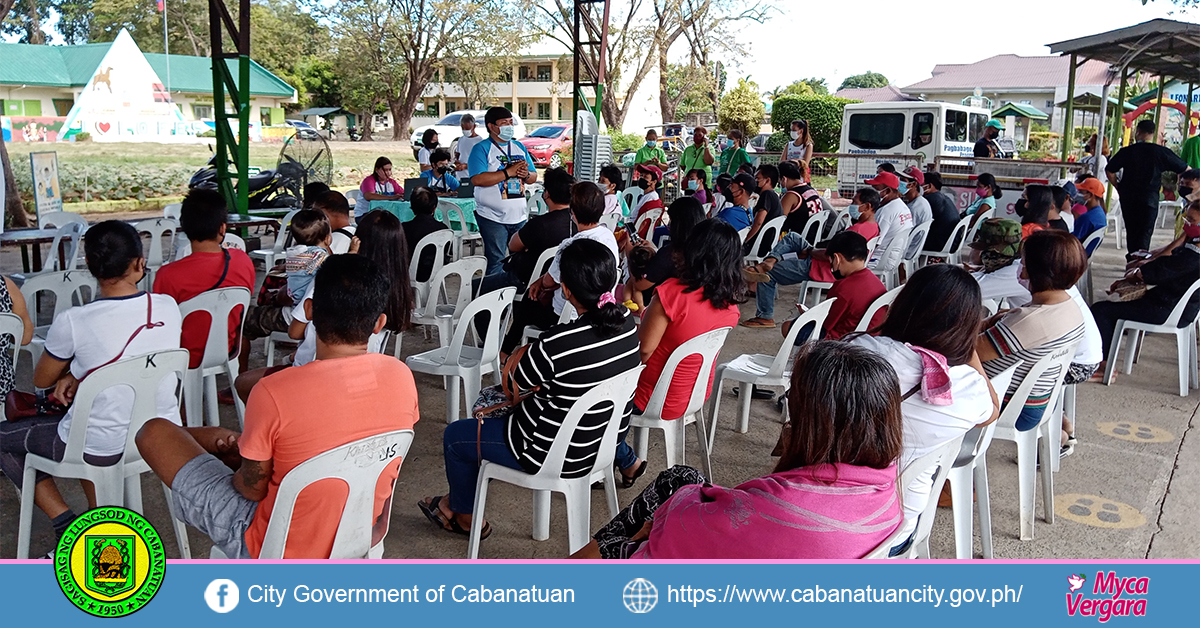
500,168
894,218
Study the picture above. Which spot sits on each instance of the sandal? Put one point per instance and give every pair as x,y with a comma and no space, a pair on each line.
628,482
755,276
759,323
435,516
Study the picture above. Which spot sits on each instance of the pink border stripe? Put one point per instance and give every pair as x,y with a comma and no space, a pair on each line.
527,561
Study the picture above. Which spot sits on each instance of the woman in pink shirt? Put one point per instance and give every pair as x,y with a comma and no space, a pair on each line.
379,185
832,496
704,297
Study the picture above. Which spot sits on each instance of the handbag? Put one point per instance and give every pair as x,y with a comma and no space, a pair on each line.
495,401
23,405
1126,290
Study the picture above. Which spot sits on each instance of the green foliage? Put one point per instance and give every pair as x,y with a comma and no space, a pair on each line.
866,79
102,182
776,142
741,108
624,142
1043,141
1038,127
208,133
689,86
824,115
804,87
83,136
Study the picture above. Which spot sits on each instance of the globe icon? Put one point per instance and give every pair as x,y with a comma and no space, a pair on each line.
640,596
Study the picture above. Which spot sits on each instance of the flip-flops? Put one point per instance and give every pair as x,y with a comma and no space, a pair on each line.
435,516
628,482
758,323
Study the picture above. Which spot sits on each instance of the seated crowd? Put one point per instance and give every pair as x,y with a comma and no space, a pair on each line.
862,405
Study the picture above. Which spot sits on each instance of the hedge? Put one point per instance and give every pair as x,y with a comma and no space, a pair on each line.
824,115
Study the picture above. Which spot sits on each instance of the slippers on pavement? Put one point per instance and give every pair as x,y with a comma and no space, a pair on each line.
435,515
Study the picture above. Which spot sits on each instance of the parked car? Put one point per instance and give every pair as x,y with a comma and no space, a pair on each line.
449,131
303,129
545,142
758,143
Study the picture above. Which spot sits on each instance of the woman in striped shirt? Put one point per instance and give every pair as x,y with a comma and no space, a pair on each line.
1051,262
563,364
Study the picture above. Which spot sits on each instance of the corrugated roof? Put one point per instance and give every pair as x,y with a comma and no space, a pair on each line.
889,93
1021,111
73,66
1010,72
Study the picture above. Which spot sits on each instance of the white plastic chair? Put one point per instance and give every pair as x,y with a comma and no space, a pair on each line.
629,198
577,491
453,214
231,241
443,313
68,289
888,266
840,222
1116,223
1167,211
357,202
119,484
567,315
60,218
358,465
742,234
441,242
172,211
610,221
707,346
815,227
200,383
916,243
759,369
953,244
540,267
1185,339
939,459
769,232
536,206
991,213
1044,437
1091,243
155,255
271,255
885,300
465,366
72,232
11,325
651,216
968,478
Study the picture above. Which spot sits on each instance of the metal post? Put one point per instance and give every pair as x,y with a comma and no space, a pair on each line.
1162,81
1187,118
227,147
1069,120
1102,134
243,105
1119,131
166,48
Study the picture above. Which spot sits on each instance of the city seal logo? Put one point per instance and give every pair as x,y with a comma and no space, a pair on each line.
110,562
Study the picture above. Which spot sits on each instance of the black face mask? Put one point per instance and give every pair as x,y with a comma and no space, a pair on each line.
1020,207
1184,191
644,184
993,134
431,146
837,274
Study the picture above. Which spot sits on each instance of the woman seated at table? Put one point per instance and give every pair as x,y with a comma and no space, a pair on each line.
379,185
563,364
123,322
441,176
832,495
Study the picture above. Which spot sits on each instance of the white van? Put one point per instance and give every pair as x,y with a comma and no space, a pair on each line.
904,133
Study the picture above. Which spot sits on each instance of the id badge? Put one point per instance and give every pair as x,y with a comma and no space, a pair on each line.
512,188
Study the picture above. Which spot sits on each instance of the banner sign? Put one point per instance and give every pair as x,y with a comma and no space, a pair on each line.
47,194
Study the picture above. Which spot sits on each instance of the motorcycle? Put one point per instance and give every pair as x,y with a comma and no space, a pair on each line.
269,189
354,134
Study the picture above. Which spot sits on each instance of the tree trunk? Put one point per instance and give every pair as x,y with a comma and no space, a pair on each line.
400,121
36,36
13,207
364,129
665,107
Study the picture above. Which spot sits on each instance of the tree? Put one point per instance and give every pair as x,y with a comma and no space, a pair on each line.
867,79
805,87
366,49
687,91
741,109
26,18
12,198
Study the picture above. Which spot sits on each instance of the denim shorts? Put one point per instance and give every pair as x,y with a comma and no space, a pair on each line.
206,499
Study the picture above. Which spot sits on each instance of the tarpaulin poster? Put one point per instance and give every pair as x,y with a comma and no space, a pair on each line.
47,194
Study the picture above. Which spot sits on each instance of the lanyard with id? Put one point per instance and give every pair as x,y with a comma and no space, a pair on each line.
511,186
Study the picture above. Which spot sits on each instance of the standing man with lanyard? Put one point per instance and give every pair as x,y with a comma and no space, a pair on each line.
698,155
1139,185
500,168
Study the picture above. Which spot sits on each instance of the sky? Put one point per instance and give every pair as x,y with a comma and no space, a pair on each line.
904,40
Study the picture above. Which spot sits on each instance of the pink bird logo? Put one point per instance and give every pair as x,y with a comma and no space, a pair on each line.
1076,581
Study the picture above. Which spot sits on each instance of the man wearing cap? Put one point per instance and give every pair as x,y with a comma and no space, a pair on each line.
913,182
944,211
894,218
1143,163
500,168
1091,192
737,211
648,177
986,146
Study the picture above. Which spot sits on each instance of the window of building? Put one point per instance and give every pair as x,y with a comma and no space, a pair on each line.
1026,102
202,112
524,75
543,73
956,126
431,109
524,110
876,131
62,106
1049,106
560,110
543,111
450,106
508,105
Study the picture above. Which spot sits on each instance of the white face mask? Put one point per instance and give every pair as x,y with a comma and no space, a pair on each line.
795,135
1024,281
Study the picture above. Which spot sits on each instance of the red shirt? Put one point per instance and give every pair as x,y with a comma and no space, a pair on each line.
820,271
854,294
196,273
690,316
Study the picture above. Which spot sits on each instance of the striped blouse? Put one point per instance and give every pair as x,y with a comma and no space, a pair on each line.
566,362
1029,334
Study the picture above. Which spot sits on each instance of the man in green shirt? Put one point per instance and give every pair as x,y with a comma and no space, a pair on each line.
1190,151
734,155
698,155
651,154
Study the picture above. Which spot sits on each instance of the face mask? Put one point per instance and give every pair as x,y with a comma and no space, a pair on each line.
431,146
837,275
1184,191
1020,206
982,192
651,143
1025,284
855,213
903,189
507,133
1191,231
795,135
693,185
644,184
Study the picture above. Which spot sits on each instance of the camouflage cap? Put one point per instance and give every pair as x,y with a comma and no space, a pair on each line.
999,235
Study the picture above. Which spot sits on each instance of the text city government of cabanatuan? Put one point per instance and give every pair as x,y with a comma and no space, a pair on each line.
455,593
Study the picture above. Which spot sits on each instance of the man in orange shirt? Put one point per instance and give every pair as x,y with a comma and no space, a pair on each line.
345,395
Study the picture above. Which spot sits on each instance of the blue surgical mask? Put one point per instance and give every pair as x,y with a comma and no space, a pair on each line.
903,189
855,214
693,185
507,133
651,144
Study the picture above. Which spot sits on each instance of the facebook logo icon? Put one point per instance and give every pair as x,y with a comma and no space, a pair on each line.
221,595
